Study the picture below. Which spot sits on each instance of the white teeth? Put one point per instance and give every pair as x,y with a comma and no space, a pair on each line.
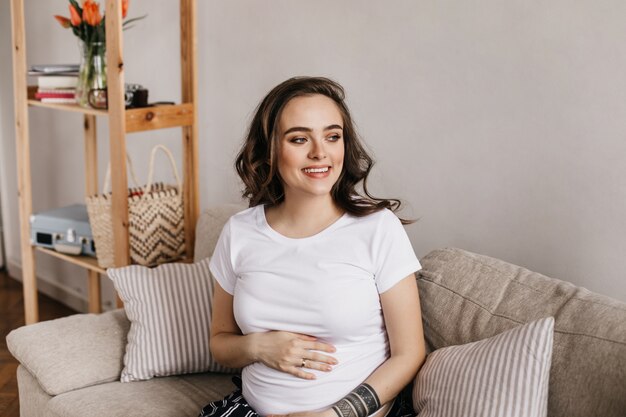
315,170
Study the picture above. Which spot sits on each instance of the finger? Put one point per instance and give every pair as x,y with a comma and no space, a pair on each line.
321,346
311,364
306,337
320,357
300,373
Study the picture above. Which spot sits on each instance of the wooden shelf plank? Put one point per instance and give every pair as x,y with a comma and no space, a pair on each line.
159,117
137,120
68,107
32,101
84,261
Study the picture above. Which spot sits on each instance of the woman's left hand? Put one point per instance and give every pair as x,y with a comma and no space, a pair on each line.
325,413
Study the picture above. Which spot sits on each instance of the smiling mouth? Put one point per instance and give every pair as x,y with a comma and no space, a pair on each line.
316,170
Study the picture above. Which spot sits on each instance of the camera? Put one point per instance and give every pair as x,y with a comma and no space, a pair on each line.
135,96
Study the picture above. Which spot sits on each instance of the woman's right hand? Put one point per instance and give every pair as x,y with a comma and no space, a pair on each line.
292,353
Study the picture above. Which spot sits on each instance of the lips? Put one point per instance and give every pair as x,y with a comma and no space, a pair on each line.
317,172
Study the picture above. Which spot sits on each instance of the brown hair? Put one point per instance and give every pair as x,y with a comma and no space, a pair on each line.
256,162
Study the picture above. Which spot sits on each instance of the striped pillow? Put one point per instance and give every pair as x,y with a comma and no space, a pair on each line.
505,375
169,308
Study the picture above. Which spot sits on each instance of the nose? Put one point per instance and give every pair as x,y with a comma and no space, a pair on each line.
317,150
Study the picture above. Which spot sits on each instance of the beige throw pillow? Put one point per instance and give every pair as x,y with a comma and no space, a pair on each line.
505,375
169,308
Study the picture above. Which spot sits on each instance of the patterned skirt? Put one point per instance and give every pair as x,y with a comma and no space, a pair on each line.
234,405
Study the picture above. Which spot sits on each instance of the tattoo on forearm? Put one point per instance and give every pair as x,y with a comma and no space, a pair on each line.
361,402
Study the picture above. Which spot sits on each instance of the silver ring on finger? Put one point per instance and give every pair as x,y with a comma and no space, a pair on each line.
303,363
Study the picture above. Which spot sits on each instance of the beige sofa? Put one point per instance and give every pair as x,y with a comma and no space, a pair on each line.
70,367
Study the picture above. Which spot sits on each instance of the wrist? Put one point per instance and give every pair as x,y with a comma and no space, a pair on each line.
329,413
252,346
361,402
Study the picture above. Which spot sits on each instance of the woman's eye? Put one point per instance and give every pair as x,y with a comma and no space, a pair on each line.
334,138
297,140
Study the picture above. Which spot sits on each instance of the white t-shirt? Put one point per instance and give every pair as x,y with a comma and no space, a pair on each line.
326,285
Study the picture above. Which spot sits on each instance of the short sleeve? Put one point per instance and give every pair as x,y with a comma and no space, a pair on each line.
393,254
221,265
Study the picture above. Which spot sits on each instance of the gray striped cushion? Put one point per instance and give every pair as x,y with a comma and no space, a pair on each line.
505,375
169,308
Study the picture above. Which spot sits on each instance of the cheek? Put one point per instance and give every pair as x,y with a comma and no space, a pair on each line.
338,155
286,162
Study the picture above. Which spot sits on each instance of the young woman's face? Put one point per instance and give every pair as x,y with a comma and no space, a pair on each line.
311,146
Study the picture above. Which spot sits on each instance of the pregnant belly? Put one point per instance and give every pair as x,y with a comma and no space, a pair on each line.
269,391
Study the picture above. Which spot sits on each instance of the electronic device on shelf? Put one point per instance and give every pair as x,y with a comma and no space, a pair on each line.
135,96
64,229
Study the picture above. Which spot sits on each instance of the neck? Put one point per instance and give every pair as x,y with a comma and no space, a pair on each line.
312,207
303,217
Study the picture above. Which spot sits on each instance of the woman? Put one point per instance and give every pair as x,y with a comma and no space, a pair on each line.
316,297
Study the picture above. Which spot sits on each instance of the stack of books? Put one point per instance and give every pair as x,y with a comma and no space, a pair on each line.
55,83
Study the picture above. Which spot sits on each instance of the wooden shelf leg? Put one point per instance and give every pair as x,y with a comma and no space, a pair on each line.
29,278
118,301
117,132
188,54
95,305
91,188
24,190
91,155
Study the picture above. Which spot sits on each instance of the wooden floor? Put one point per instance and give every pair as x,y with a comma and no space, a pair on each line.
12,317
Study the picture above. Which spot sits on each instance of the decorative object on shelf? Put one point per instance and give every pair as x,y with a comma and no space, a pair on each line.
98,98
135,96
64,229
155,219
88,24
56,83
93,71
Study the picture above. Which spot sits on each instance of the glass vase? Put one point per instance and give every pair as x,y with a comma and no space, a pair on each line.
92,74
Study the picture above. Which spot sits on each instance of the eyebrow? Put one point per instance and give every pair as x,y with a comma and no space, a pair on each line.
307,129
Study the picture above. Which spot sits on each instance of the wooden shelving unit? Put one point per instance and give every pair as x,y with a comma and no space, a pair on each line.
121,122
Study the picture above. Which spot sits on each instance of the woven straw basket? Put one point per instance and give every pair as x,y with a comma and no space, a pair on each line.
155,216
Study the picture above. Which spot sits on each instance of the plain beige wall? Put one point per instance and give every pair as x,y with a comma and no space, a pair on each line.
502,125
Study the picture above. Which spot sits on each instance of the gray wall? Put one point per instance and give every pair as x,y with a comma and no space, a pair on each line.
502,125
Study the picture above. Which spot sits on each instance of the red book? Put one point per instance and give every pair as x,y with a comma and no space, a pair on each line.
53,95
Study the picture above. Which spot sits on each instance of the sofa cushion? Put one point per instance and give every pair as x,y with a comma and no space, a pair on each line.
62,358
170,312
209,227
174,396
467,297
509,372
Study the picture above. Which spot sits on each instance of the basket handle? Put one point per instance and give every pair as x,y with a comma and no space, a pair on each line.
151,171
107,177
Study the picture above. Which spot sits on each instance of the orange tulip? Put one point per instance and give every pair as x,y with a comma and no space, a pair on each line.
64,21
74,16
124,8
91,13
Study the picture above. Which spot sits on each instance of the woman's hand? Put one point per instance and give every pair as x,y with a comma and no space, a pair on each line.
293,353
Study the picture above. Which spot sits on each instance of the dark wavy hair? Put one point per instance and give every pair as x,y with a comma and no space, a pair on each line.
257,163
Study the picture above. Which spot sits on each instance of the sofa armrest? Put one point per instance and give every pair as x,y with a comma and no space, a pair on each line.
72,352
